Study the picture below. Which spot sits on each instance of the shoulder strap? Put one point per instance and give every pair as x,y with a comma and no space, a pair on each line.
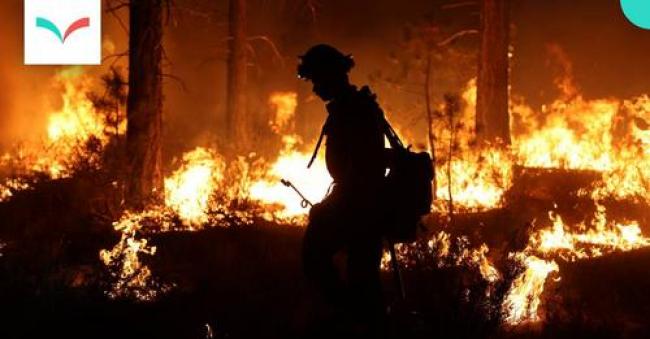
391,135
320,140
389,132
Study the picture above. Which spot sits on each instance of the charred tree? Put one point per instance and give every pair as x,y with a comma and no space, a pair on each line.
236,122
492,117
144,103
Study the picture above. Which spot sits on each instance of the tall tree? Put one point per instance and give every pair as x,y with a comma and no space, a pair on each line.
236,82
144,103
492,117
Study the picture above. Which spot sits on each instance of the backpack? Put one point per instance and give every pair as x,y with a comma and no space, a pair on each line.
408,192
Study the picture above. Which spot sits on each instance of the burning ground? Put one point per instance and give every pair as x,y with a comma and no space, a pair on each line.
547,238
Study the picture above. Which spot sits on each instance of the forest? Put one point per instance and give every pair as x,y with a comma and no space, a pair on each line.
165,192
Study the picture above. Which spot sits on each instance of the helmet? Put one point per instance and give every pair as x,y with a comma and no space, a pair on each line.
323,59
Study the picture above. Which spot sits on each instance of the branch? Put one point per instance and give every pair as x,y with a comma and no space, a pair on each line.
269,42
117,7
459,4
455,36
119,21
117,57
177,79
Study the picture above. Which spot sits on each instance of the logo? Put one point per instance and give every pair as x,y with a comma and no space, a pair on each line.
50,26
62,32
637,11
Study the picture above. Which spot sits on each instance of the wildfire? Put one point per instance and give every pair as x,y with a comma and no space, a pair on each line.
474,179
65,139
8,187
600,238
608,136
285,104
523,297
132,277
559,242
189,189
290,165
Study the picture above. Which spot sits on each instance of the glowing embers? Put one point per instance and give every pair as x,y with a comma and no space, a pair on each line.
10,186
133,279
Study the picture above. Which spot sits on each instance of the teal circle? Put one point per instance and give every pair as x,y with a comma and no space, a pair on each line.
637,11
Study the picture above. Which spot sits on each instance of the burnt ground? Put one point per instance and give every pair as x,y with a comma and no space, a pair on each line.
246,282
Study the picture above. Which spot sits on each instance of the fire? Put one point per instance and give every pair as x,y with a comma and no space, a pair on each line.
478,180
69,129
609,136
478,177
446,252
290,165
189,189
132,277
575,135
523,297
8,187
285,104
602,237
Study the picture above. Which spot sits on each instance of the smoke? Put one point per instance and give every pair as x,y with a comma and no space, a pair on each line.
21,87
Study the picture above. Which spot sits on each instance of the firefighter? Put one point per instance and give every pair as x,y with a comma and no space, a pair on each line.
347,220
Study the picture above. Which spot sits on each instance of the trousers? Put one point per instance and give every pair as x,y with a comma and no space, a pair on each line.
346,221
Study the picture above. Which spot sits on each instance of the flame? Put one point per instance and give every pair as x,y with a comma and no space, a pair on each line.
523,297
189,189
132,277
602,237
478,177
8,188
285,104
69,128
608,136
290,165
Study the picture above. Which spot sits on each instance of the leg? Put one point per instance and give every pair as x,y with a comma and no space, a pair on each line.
320,243
364,258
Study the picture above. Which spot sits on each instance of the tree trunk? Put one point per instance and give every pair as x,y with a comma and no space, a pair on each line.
144,103
236,87
492,117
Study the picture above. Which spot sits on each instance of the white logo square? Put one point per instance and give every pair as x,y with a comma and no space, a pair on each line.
63,32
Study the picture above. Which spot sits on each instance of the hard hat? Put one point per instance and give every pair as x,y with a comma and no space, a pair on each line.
323,59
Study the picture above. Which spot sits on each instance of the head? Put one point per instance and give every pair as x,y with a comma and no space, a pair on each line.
327,68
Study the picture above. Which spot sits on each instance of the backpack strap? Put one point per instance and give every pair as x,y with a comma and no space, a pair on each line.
389,132
391,135
320,141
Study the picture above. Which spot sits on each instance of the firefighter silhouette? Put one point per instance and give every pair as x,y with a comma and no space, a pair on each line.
347,220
